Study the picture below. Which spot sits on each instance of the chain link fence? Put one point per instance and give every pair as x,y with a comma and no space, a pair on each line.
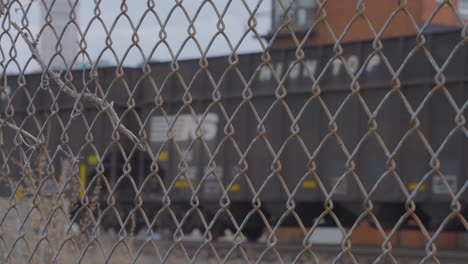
175,131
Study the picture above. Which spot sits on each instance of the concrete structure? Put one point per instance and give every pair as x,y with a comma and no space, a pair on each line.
52,43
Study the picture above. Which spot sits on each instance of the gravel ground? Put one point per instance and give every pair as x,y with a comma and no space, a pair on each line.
159,251
165,251
190,250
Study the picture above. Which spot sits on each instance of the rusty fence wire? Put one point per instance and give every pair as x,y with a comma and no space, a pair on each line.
128,126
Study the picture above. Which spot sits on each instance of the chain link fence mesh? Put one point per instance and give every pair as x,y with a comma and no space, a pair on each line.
91,145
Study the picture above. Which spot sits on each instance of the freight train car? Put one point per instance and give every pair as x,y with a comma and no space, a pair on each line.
236,142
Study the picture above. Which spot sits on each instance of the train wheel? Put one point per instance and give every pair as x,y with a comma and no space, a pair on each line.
254,232
217,231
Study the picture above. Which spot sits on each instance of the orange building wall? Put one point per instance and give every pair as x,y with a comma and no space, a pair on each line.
339,13
443,16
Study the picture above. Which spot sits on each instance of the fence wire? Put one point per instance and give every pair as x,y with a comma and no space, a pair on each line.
122,164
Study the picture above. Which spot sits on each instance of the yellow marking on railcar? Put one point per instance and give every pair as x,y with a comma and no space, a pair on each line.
163,156
19,192
309,184
181,184
82,179
93,160
235,188
413,186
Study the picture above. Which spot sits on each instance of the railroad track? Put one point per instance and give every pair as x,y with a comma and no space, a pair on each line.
200,252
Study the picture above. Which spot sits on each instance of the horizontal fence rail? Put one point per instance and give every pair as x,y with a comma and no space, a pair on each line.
246,131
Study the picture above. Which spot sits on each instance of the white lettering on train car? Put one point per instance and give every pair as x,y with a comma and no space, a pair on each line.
211,185
294,73
266,73
342,187
352,63
312,65
5,93
184,128
336,66
374,61
438,186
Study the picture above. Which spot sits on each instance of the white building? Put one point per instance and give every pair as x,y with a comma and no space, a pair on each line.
68,45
